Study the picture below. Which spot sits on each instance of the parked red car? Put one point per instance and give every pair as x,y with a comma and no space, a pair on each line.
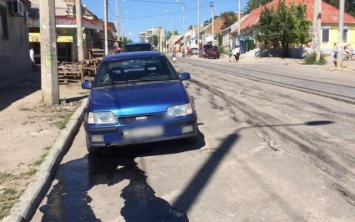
115,51
212,53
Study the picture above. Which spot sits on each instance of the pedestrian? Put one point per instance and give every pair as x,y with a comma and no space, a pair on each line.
230,53
236,53
174,55
335,53
32,56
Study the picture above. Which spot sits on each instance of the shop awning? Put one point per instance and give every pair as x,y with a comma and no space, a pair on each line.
69,22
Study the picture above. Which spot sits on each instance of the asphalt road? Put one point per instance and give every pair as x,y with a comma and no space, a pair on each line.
266,152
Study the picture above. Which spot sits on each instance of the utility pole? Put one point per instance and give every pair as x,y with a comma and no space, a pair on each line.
198,24
79,30
319,28
212,8
118,22
183,26
340,34
49,68
105,29
239,20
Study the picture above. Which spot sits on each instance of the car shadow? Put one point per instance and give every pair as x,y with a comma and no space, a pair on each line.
155,149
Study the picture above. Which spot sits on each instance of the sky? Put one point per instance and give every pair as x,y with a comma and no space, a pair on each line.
140,15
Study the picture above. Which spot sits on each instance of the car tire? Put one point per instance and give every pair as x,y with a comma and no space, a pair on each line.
192,139
91,149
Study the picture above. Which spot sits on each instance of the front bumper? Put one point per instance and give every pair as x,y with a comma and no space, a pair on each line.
177,128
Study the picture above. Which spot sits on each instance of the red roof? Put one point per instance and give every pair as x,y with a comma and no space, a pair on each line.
330,14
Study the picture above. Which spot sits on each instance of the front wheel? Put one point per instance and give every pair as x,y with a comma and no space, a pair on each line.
353,57
91,149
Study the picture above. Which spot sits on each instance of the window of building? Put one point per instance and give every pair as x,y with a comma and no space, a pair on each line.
325,35
3,23
345,35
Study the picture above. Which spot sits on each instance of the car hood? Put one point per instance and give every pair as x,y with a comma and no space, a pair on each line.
125,100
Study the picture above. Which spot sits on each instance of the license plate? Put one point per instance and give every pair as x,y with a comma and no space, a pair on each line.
143,132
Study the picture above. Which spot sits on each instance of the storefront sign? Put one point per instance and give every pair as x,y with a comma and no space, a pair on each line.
36,37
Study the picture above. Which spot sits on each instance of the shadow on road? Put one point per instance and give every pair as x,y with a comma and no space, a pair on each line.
19,89
69,200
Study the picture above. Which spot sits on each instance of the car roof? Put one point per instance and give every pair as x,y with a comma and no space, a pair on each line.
139,43
132,55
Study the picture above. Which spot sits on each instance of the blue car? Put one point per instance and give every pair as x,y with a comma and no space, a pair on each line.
137,98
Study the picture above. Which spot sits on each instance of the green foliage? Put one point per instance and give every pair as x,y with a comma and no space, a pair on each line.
222,50
229,19
284,25
311,59
8,197
169,34
349,5
253,4
4,176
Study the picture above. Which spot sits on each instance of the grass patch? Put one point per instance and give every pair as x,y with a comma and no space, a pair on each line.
32,171
26,109
42,157
4,176
63,120
8,197
310,59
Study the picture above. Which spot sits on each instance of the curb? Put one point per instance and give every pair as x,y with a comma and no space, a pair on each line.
32,197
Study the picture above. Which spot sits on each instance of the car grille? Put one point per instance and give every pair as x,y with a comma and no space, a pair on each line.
141,118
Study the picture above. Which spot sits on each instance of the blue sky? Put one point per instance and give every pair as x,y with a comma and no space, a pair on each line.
139,15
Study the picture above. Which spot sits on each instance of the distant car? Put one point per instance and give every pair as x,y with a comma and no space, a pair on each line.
194,51
212,53
115,51
137,98
203,50
137,47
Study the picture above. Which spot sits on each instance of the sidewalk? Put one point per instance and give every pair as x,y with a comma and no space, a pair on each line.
348,65
33,140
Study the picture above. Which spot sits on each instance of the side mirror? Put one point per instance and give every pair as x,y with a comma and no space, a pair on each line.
86,85
185,76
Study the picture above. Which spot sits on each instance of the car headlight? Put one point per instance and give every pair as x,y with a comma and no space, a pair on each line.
102,118
181,110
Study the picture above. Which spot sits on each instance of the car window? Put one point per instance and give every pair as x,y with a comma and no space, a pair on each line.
137,47
125,71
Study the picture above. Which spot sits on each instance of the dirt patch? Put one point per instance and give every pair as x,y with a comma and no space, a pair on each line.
28,129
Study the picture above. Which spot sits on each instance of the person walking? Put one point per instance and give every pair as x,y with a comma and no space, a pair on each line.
335,54
174,55
230,53
236,53
32,56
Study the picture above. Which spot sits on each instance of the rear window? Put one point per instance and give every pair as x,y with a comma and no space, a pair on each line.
135,70
138,47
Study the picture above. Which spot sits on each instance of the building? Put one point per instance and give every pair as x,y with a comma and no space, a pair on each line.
230,34
209,37
93,33
174,42
148,36
14,53
190,38
330,25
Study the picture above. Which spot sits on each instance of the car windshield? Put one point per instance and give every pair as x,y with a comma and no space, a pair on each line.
131,71
138,47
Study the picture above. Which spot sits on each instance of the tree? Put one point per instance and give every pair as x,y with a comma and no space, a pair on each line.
169,34
155,40
229,19
349,5
125,40
253,4
284,26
